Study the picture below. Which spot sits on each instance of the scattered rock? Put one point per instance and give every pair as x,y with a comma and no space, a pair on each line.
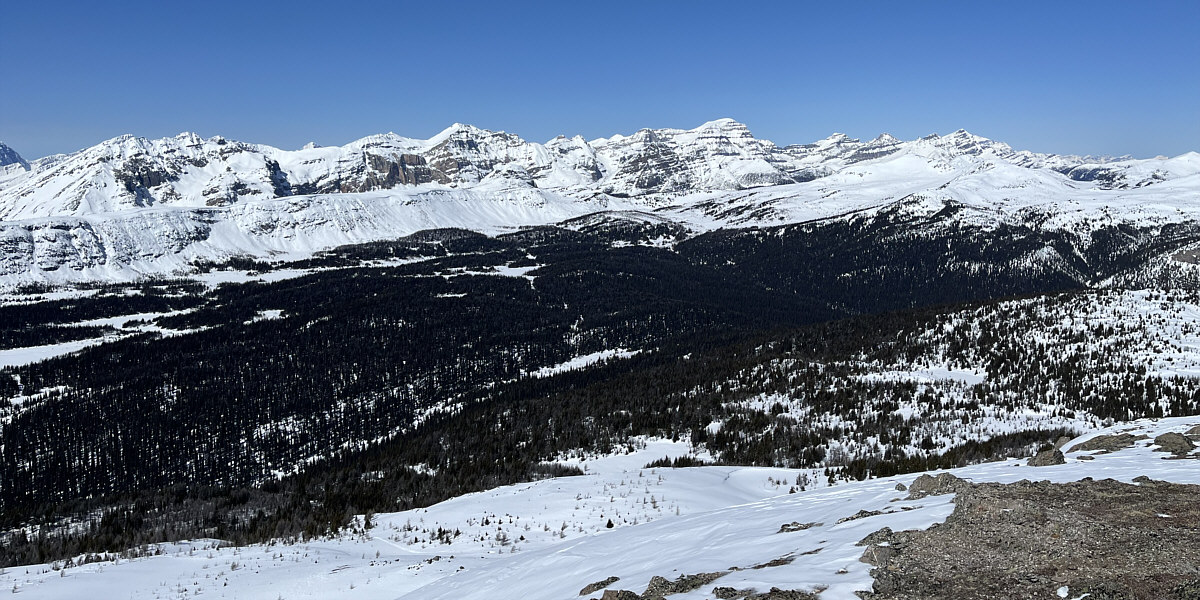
778,562
1175,443
900,487
1108,443
945,483
795,526
1087,457
660,587
1187,591
728,593
620,595
778,594
597,586
1102,590
862,514
1062,441
1194,431
1046,458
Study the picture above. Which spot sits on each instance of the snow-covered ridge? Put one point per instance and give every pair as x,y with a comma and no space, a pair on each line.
187,170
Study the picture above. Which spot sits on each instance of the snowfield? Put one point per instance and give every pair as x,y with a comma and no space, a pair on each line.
548,539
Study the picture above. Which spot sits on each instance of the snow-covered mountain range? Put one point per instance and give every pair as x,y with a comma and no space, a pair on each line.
132,206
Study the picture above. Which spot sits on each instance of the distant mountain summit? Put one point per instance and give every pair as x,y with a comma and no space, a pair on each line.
10,161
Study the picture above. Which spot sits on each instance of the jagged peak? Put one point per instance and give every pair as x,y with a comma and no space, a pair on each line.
8,156
459,129
961,134
884,138
467,131
562,140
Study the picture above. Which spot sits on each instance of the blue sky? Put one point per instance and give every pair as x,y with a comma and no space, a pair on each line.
1067,77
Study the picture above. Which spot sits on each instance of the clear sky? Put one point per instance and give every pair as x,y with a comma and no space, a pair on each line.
1096,77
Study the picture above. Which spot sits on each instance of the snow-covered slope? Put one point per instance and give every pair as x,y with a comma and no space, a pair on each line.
125,245
549,539
131,206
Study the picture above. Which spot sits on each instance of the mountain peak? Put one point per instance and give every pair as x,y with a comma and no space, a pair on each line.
964,134
190,138
461,128
8,156
725,123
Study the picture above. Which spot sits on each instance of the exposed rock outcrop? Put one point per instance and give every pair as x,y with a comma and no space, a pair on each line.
943,483
597,586
1027,539
1175,443
1107,443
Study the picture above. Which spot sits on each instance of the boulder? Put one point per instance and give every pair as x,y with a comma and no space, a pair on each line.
619,595
1045,458
1175,443
928,485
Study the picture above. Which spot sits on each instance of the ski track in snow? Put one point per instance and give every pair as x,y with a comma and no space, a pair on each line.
727,517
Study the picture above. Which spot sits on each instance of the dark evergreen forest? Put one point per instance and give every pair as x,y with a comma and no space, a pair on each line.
425,351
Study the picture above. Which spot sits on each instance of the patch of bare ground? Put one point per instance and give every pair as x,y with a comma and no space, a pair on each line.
1109,539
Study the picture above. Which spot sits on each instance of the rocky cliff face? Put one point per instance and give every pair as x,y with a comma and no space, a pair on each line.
10,161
